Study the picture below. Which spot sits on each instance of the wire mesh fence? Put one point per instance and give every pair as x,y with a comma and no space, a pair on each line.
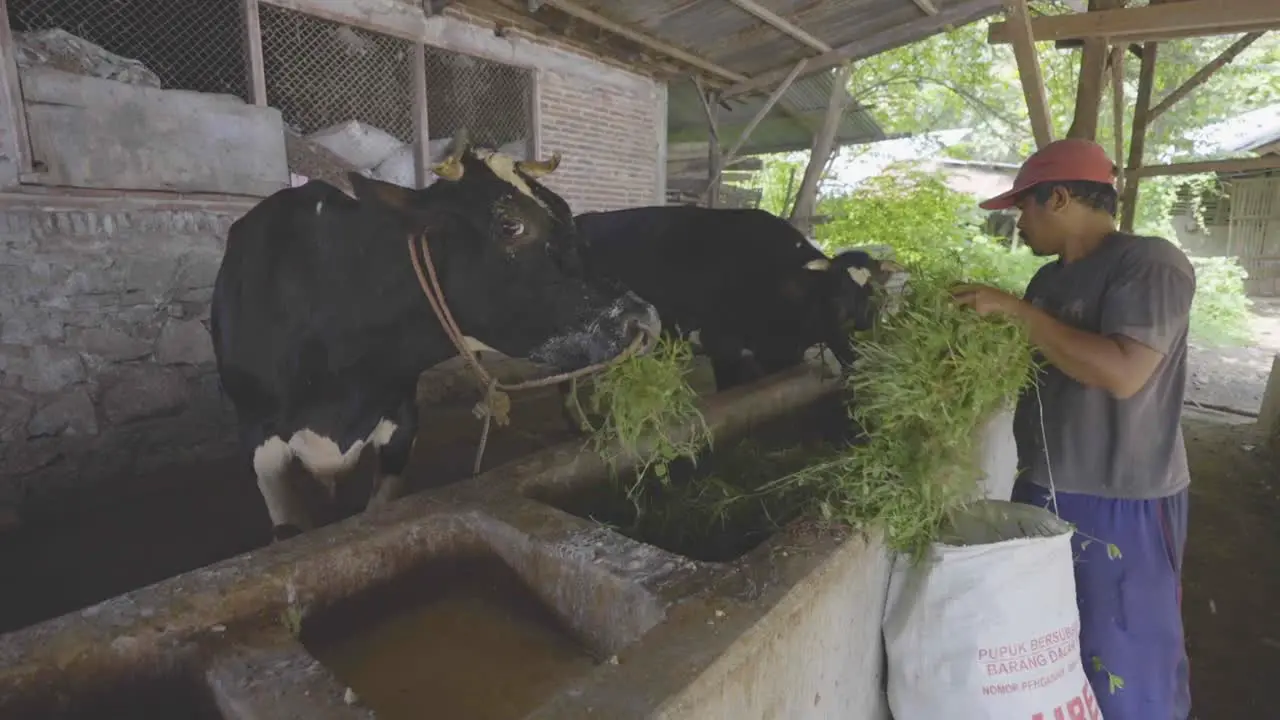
493,101
345,93
183,44
321,73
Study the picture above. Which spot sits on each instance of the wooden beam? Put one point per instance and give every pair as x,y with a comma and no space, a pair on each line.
14,109
593,18
257,78
806,196
1204,73
421,118
1137,142
960,13
1193,18
780,24
1266,162
1093,69
1024,51
1117,108
926,6
729,157
772,100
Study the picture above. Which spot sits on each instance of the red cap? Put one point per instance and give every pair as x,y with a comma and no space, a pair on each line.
1070,159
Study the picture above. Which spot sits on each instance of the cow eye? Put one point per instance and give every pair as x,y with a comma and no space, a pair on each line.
512,228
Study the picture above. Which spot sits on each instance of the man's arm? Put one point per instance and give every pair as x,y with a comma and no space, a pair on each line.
1143,311
1118,364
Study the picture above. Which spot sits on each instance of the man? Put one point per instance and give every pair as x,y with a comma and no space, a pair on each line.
1101,431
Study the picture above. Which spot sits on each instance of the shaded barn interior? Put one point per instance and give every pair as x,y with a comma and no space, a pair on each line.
111,378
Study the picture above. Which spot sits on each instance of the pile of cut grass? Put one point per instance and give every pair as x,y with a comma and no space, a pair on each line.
648,411
926,380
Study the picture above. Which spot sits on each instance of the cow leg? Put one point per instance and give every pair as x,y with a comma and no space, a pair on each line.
394,453
272,463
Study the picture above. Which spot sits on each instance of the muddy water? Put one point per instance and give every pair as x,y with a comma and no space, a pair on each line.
477,645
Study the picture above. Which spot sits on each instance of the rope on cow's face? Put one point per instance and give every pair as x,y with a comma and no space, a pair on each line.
495,405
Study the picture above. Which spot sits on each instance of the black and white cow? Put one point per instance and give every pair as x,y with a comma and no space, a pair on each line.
321,329
739,278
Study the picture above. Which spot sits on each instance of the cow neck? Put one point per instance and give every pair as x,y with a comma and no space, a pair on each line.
496,404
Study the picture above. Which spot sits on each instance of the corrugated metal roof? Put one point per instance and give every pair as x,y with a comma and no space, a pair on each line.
779,131
743,47
725,34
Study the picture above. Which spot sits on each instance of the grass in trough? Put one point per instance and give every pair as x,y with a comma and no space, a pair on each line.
927,378
648,410
714,510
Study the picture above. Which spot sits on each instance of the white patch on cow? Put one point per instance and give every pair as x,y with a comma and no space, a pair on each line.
321,456
695,338
271,461
475,346
505,168
860,275
319,206
821,263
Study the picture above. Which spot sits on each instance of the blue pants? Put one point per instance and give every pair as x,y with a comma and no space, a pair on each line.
1130,606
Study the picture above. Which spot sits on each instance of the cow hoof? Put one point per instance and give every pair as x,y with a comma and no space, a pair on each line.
284,532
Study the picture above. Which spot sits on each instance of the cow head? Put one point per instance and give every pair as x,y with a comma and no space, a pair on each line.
840,295
505,249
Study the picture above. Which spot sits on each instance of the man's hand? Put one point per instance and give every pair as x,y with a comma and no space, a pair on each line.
985,299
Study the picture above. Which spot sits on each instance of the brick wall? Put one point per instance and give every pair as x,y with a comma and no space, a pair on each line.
608,138
106,367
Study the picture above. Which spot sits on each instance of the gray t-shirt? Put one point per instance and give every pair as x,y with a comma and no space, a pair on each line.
1141,288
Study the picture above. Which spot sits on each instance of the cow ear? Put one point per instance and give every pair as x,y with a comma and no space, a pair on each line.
449,169
383,193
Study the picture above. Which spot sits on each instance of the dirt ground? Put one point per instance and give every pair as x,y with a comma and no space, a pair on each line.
1236,376
1231,583
1231,587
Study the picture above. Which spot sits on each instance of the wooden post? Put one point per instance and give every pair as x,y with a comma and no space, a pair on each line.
1269,413
421,137
806,196
1093,60
257,79
1024,51
1137,142
710,106
15,148
1117,109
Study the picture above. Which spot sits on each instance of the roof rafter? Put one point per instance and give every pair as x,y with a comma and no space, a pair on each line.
959,14
1192,18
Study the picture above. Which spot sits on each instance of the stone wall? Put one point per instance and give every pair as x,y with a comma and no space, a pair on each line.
106,366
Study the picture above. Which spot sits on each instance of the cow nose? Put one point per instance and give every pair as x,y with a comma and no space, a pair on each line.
639,317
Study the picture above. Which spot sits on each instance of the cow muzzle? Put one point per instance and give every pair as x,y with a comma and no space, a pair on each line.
640,323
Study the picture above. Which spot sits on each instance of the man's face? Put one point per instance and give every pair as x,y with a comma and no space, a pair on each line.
1041,226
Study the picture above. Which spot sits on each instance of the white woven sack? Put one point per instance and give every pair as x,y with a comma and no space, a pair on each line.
986,626
359,145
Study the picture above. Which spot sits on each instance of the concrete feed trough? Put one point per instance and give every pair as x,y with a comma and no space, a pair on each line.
479,600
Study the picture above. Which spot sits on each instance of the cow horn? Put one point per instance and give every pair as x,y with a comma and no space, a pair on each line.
451,167
818,264
538,168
